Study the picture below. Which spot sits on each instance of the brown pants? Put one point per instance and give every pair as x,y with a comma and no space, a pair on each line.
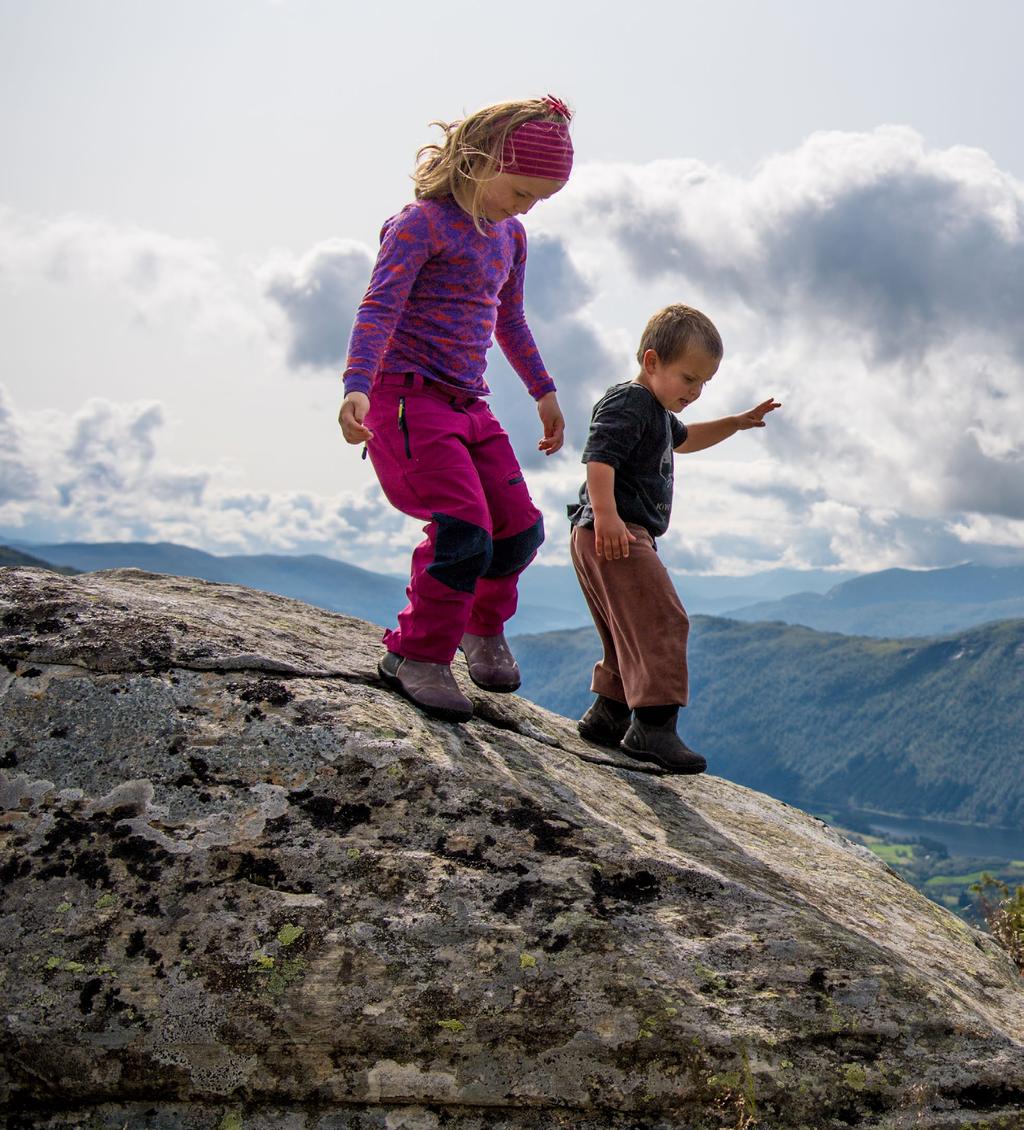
640,619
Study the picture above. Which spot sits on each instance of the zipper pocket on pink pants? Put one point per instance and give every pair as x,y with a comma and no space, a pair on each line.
403,427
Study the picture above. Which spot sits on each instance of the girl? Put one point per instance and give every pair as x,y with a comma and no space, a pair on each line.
449,276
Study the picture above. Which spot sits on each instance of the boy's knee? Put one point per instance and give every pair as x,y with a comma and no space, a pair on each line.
514,553
462,553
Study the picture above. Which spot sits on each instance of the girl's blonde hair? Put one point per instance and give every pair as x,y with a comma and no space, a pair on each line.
470,154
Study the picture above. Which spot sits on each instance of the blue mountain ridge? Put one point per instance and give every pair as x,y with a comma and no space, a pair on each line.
889,603
550,597
902,602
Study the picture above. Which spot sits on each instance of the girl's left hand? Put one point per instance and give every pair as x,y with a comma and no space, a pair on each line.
554,424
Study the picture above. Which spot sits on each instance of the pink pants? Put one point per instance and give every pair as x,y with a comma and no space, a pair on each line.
445,459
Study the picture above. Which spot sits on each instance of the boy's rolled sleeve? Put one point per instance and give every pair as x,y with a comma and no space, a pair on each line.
615,431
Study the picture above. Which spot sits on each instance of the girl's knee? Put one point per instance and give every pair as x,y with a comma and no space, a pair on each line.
463,552
512,554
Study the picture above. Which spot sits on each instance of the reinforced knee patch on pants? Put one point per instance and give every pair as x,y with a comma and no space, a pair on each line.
462,553
514,553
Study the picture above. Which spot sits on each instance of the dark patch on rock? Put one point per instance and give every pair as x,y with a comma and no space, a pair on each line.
987,1096
201,770
67,829
325,812
517,898
637,888
90,990
548,833
91,867
265,872
143,858
8,760
13,869
265,690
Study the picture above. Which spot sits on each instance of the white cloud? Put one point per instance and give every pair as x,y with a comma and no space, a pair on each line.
155,274
318,293
869,282
97,475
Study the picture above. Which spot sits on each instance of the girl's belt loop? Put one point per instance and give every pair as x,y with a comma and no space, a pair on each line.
418,381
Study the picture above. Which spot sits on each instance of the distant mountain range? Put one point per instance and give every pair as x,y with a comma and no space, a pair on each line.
316,580
550,599
895,603
9,557
902,602
549,595
931,728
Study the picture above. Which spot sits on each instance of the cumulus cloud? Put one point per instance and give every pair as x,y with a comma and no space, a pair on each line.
97,474
152,272
914,247
318,294
868,281
17,481
580,356
871,283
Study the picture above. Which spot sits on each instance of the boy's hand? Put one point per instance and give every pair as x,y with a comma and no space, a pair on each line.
353,411
755,417
611,538
554,424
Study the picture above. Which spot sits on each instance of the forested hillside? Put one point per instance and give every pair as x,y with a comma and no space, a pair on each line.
921,727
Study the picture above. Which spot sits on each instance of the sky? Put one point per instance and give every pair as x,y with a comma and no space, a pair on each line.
190,201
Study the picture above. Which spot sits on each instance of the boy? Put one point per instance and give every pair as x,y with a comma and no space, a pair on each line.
625,504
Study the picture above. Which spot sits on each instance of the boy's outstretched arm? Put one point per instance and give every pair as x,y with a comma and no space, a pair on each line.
611,538
707,434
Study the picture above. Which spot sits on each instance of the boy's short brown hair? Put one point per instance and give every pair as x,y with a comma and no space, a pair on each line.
673,330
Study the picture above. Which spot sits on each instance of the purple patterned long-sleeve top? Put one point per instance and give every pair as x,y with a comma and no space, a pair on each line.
439,293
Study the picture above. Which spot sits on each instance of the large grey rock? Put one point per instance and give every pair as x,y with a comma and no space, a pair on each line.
246,887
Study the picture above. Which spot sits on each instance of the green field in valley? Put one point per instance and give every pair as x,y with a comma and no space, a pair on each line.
929,868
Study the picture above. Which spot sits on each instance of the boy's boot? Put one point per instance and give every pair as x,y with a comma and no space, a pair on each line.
491,665
430,686
605,723
659,742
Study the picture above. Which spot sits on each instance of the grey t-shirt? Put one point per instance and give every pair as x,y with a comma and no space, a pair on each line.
632,432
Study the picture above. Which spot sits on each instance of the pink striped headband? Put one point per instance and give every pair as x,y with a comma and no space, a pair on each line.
540,148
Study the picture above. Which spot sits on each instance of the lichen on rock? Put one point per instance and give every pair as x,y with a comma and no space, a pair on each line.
245,885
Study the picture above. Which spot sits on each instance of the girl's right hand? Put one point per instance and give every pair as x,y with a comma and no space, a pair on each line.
353,411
